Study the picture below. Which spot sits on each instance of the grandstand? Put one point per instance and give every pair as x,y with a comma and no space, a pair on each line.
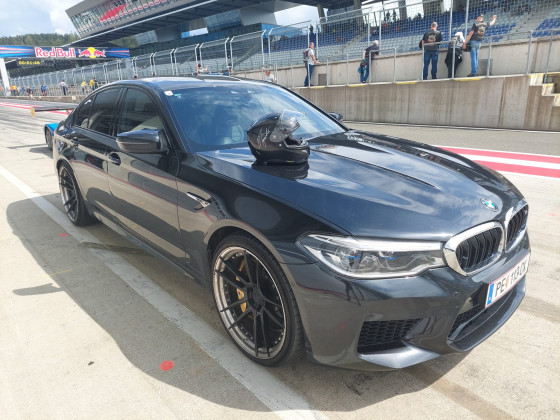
337,37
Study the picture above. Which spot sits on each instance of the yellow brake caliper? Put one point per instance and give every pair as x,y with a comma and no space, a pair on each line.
240,294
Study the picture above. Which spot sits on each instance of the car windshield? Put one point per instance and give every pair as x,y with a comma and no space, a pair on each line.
217,116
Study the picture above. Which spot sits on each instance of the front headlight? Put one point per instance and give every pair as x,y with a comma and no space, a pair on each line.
363,258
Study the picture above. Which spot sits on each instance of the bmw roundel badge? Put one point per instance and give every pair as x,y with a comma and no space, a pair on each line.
489,204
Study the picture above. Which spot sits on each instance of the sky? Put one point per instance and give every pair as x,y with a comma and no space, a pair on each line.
48,16
35,16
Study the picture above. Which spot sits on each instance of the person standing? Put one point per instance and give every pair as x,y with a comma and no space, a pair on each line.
310,61
269,77
454,55
92,84
83,85
367,56
475,37
62,84
431,51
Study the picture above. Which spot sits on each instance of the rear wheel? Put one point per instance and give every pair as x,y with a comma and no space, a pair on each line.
48,138
72,200
255,302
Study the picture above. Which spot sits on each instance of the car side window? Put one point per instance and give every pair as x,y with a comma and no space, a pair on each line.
138,113
82,117
103,111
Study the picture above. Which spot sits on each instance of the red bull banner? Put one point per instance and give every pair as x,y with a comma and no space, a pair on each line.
7,51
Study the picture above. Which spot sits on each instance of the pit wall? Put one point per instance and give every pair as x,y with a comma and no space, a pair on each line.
504,101
513,102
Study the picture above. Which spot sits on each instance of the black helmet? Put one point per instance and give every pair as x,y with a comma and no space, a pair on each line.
271,141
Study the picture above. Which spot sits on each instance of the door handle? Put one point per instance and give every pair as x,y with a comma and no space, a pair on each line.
114,158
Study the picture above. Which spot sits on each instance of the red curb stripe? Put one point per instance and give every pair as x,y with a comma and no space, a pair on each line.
508,155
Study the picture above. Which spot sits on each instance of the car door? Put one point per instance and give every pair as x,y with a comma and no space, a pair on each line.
90,135
144,186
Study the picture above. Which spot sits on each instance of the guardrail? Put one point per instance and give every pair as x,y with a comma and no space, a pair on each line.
553,34
491,37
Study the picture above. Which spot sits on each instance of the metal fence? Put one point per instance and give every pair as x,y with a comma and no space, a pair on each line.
247,51
214,56
186,60
163,63
286,43
397,25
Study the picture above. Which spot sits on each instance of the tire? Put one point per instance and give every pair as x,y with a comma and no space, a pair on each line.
72,200
48,139
255,302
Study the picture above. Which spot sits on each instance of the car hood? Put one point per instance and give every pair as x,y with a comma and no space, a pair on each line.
377,186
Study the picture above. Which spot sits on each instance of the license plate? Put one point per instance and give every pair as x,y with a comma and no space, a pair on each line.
505,283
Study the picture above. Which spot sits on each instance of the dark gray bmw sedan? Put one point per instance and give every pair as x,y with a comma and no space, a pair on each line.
363,250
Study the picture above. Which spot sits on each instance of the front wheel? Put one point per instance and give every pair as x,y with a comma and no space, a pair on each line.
255,302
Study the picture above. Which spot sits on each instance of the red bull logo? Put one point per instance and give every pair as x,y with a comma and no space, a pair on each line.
55,52
91,53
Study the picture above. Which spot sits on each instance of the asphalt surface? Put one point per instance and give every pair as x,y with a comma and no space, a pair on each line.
88,321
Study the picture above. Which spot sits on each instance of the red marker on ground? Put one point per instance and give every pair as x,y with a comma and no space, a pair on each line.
167,365
62,234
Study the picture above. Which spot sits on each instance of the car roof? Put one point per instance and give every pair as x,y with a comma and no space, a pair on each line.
182,82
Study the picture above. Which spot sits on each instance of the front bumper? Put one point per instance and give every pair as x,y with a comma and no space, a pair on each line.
395,323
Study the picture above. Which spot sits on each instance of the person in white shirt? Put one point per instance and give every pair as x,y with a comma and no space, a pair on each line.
310,61
268,77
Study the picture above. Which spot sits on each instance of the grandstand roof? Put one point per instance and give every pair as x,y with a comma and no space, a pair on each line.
184,11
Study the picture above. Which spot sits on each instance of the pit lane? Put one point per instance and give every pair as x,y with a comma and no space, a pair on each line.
89,319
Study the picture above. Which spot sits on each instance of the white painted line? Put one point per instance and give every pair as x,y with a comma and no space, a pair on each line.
519,162
493,151
529,175
284,402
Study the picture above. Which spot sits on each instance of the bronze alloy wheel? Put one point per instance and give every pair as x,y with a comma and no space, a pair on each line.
257,310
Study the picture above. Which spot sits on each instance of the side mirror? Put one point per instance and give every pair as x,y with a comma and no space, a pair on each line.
336,116
141,141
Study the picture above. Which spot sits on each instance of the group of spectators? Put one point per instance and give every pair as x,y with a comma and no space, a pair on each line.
430,44
431,41
24,90
44,89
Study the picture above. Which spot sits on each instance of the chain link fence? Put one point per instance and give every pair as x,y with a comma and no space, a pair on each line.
247,51
344,35
286,43
186,60
163,63
143,65
214,56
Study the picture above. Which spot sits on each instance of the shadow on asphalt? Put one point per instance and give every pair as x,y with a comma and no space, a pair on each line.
325,388
42,149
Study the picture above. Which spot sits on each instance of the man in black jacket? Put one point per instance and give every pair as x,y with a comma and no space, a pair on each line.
431,51
475,37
